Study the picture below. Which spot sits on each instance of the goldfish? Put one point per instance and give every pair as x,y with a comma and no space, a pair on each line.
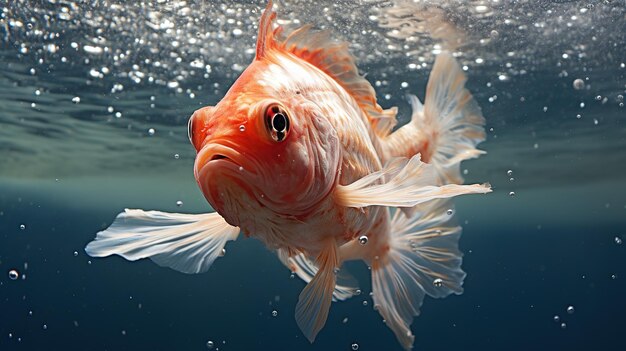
299,155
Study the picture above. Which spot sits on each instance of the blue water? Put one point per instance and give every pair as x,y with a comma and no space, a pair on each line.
67,167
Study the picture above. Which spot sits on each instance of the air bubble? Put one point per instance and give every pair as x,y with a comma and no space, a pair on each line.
242,128
570,309
618,240
75,253
274,313
210,344
76,99
13,274
449,212
22,226
563,325
509,173
176,156
363,239
556,318
364,302
438,282
355,346
512,193
151,131
179,203
578,84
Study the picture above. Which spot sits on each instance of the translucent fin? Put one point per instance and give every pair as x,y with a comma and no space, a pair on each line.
452,119
334,58
314,301
346,285
265,39
423,258
188,243
402,183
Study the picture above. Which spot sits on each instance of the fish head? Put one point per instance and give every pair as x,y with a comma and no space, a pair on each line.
263,152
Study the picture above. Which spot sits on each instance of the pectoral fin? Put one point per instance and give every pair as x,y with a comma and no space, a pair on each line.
314,301
402,183
188,243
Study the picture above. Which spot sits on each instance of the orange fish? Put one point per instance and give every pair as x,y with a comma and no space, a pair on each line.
299,155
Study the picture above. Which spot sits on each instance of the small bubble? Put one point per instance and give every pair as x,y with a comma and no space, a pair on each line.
13,274
118,114
76,99
570,309
449,212
75,253
22,226
578,84
345,320
363,239
578,116
618,240
240,169
210,344
151,131
176,156
364,302
292,276
357,292
613,276
242,128
223,252
556,318
582,105
179,203
404,85
512,193
355,346
509,173
45,327
274,313
563,325
438,282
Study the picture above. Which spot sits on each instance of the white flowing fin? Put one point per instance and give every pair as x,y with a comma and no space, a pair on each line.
423,258
446,129
451,118
188,243
402,183
345,287
314,300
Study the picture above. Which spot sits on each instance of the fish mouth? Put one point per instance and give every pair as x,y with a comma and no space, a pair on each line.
222,157
218,157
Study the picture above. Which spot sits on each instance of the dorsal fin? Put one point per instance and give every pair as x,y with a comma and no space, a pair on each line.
334,59
330,56
266,38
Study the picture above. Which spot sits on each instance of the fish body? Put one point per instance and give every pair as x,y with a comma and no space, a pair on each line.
299,155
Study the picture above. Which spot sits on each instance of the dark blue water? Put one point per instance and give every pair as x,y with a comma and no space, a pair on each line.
67,168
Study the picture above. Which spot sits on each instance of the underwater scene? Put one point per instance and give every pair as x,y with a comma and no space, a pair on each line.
291,170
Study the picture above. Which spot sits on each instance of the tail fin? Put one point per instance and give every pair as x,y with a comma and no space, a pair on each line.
423,259
451,119
185,242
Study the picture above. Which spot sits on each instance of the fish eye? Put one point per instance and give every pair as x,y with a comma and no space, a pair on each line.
277,122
